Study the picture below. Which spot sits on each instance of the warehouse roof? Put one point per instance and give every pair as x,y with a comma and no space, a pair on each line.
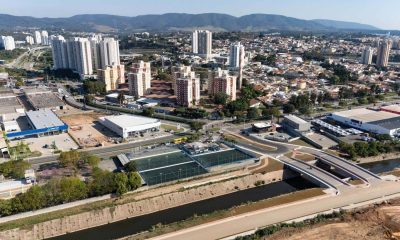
44,118
391,123
366,115
128,121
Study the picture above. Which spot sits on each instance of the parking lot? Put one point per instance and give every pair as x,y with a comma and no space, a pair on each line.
44,144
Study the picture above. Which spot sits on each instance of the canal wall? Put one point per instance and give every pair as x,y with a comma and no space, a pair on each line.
95,218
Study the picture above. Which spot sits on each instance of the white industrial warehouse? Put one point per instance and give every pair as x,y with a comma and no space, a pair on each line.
128,126
378,122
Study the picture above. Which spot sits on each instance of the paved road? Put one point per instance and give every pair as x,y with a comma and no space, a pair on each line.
246,222
105,152
351,168
327,178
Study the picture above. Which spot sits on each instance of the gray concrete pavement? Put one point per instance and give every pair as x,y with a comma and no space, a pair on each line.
349,198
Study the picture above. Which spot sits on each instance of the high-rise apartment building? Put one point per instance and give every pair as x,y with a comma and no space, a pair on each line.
236,55
236,61
75,54
188,91
384,47
80,54
221,81
45,38
181,71
139,79
202,42
366,57
29,40
109,52
112,76
7,43
38,38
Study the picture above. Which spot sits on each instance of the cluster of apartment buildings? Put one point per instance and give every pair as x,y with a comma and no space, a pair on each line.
86,55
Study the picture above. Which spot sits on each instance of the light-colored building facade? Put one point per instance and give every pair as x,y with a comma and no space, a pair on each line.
45,38
29,40
366,57
236,55
181,71
38,38
384,47
188,91
74,53
7,43
139,79
112,76
202,42
220,81
109,52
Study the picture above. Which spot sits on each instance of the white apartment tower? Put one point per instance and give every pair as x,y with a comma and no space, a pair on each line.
236,55
38,38
45,38
188,91
384,47
29,40
109,52
202,42
366,57
7,43
220,81
72,54
139,79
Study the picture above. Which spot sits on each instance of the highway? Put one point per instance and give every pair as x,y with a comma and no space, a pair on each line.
349,198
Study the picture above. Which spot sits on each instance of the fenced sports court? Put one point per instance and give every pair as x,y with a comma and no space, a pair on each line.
177,165
222,157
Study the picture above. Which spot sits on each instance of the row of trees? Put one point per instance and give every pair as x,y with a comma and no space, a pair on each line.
191,113
67,189
367,149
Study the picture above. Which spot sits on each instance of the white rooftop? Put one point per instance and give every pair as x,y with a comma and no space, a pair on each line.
127,121
366,115
44,118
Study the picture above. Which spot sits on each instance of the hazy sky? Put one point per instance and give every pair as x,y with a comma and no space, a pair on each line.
381,13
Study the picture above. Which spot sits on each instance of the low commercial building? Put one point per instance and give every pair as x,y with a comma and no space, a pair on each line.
296,123
42,123
377,122
263,127
128,126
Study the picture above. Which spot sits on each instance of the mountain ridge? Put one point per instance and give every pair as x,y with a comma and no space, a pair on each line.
176,21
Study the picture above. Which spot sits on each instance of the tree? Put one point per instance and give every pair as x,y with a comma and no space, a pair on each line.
94,87
196,126
33,199
253,113
121,98
121,181
271,60
69,159
72,188
92,160
221,98
102,182
149,112
134,180
131,166
289,108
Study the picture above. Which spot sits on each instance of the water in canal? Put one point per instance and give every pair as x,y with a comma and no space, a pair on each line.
138,224
382,166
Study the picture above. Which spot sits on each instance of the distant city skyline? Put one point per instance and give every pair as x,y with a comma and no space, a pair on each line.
382,14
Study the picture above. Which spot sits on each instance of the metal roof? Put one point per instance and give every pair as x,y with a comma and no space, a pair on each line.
44,118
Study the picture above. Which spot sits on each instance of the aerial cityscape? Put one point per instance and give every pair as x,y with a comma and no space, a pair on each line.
175,120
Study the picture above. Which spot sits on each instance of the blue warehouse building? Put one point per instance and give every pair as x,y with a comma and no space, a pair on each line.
43,122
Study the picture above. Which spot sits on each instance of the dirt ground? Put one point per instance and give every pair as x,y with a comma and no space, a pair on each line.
87,131
374,223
